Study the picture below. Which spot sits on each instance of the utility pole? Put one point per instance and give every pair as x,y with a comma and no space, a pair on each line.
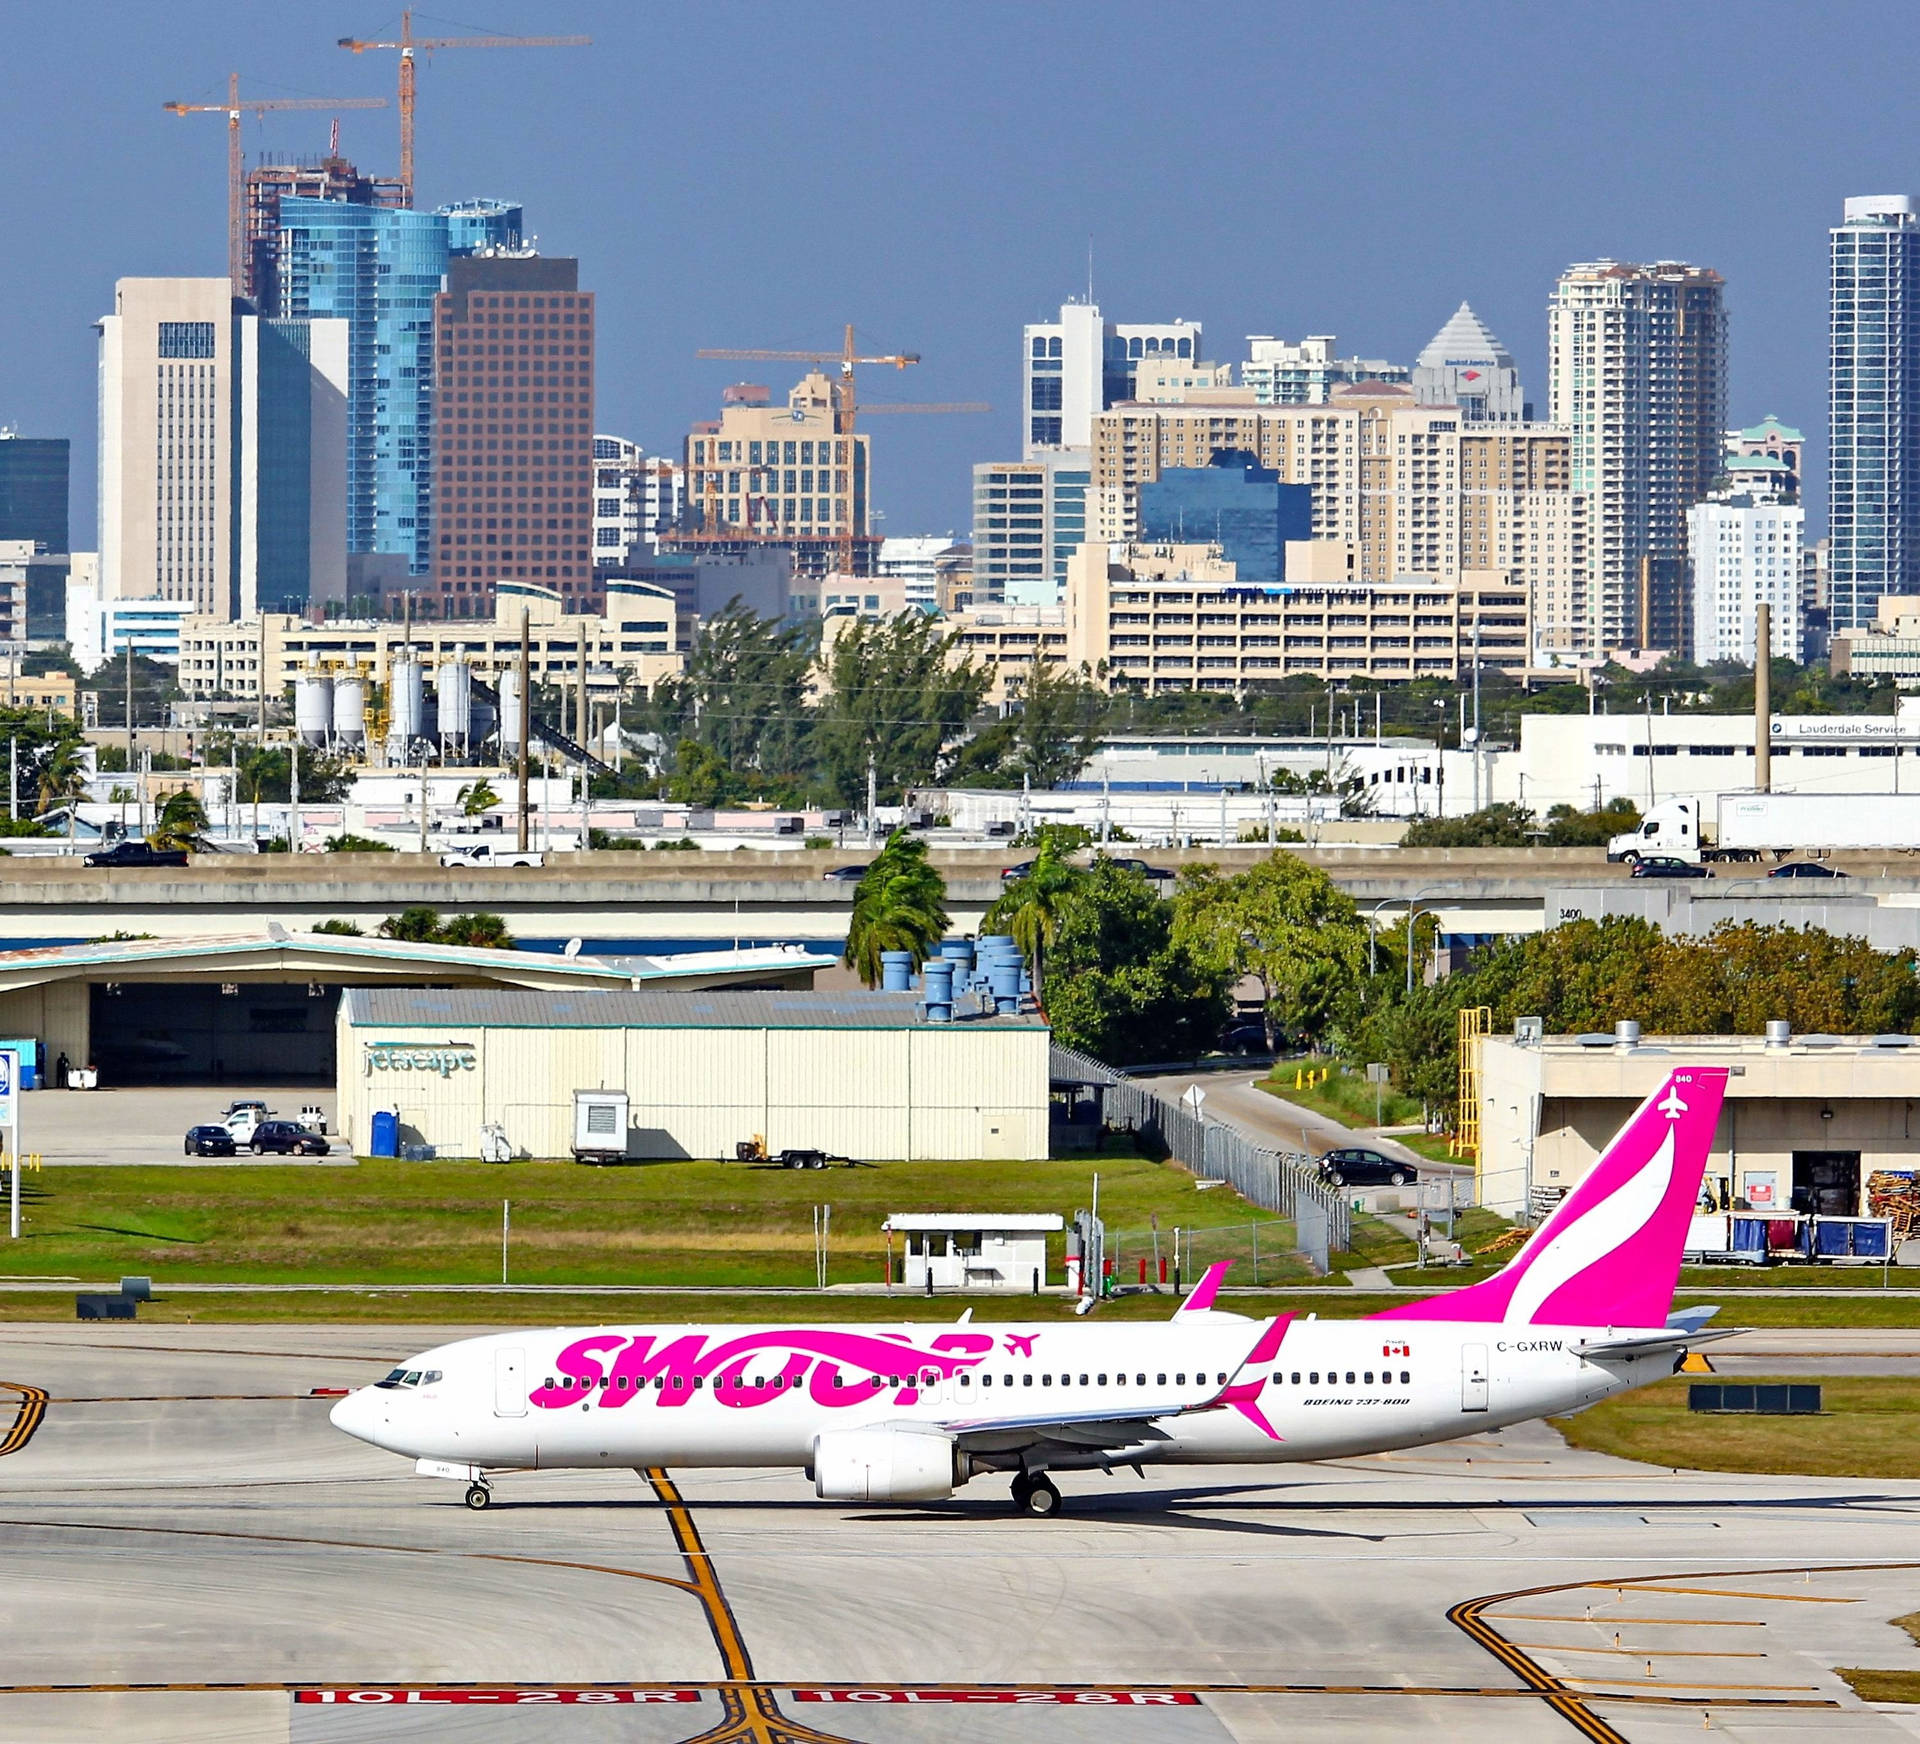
129,636
1763,697
293,790
526,714
1476,714
873,791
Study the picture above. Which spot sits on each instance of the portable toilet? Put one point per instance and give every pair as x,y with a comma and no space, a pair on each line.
385,1141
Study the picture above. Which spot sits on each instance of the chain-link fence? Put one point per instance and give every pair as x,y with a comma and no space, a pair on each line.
1285,1182
1260,1253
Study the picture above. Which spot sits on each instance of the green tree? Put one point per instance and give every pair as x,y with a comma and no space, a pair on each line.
348,843
1283,922
1567,828
342,928
898,905
417,925
1029,908
479,930
743,697
1056,725
896,698
181,823
1494,826
1122,988
477,798
62,773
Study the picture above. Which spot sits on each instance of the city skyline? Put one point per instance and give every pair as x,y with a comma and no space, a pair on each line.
1492,199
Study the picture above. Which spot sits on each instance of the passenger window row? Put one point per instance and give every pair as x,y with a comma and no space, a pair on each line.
1364,1378
1118,1380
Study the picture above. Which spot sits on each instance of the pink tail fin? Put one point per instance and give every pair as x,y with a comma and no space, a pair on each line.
1610,1253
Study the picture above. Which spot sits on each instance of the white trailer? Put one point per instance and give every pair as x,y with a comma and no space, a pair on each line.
1783,823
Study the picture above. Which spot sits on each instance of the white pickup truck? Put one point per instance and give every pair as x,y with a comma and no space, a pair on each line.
486,854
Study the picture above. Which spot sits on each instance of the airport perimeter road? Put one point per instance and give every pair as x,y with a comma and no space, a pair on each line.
192,1553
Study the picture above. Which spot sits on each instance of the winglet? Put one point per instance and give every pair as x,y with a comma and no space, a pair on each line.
1204,1292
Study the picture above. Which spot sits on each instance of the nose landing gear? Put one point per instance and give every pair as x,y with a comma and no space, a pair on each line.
479,1496
1033,1493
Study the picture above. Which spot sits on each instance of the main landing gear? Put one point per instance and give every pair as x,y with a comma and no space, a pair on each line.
1033,1493
479,1496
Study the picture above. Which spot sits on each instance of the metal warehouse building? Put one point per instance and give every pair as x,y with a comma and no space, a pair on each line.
859,1074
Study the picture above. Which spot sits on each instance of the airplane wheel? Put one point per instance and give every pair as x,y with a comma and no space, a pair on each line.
479,1497
1041,1499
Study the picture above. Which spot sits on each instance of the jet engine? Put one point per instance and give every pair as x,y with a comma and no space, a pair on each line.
885,1465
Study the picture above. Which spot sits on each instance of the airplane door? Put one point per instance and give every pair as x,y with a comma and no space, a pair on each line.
510,1383
1473,1377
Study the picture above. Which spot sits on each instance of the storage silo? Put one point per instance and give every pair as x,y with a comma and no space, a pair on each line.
453,687
509,713
406,702
313,708
349,713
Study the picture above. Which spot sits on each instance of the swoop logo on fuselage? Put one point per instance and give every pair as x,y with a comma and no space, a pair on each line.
838,1369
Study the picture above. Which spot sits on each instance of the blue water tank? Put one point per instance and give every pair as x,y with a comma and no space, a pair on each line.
896,971
1004,978
960,953
386,1133
937,979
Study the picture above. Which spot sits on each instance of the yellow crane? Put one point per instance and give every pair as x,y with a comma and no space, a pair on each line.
233,108
410,45
845,403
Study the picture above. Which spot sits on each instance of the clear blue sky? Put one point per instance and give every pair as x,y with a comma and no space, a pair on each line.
735,174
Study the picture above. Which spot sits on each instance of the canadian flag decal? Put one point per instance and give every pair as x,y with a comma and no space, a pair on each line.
1396,1350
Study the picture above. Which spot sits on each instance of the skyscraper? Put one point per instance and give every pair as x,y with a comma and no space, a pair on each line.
513,456
1072,369
1465,366
1637,357
1233,502
222,451
379,269
33,489
1873,514
329,178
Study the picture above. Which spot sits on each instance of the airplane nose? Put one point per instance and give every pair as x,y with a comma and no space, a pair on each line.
353,1415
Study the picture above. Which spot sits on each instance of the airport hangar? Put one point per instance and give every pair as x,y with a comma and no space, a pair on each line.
856,1074
260,1007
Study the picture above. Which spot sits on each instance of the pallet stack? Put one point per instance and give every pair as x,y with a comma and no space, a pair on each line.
1894,1195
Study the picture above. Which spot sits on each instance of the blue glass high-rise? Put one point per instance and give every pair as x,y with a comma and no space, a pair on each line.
1234,503
380,268
1874,407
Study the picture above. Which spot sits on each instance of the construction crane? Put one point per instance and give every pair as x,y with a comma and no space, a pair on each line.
233,108
410,45
845,404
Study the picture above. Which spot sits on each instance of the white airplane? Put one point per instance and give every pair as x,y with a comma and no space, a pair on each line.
910,1413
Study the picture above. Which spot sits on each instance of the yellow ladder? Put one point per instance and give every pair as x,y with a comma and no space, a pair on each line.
1474,1022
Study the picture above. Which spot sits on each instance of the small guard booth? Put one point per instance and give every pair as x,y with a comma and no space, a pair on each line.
958,1250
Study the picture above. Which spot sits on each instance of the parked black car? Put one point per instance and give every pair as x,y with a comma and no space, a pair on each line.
285,1138
209,1141
137,854
1355,1166
1806,869
845,874
1666,866
1244,1038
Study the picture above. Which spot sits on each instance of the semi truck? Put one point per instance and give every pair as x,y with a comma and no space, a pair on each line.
1750,826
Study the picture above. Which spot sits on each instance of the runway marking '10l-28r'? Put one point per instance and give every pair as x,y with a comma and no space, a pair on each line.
374,1698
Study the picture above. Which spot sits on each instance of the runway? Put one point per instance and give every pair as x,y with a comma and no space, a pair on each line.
191,1552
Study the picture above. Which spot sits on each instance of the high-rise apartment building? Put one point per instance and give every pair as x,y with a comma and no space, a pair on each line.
329,178
637,497
1873,395
33,489
1637,359
513,455
379,270
1282,373
1465,366
1072,369
1745,550
1029,517
1775,441
1411,489
222,451
780,477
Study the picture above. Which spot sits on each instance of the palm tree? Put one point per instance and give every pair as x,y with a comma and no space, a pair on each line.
63,776
1030,908
181,823
477,797
900,905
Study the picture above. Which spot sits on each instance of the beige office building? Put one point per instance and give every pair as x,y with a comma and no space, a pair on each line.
1175,617
631,645
223,448
1410,488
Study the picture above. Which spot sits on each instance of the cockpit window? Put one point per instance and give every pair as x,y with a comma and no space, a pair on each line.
411,1378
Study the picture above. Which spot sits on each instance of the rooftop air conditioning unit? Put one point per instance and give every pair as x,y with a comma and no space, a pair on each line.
599,1126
